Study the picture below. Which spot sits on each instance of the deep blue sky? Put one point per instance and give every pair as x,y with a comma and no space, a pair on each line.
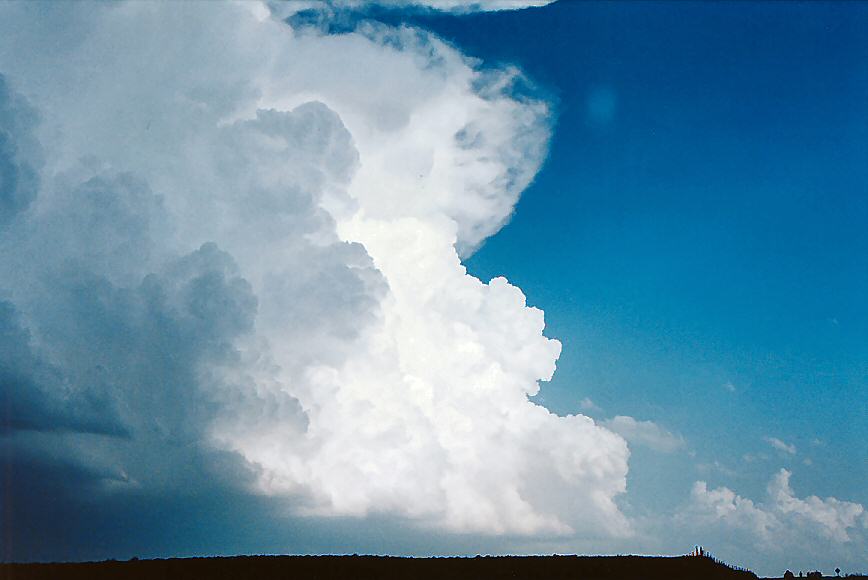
702,220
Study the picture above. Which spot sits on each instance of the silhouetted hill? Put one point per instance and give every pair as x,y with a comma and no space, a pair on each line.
842,577
382,568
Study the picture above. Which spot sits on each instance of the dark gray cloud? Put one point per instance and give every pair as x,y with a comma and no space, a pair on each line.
19,154
102,345
118,350
36,395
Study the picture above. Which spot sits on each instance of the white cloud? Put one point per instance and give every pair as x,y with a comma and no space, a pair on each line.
716,467
346,354
724,505
473,5
781,445
587,404
456,6
645,433
783,520
833,517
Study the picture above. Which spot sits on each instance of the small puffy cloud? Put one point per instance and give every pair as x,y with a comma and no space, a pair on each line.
787,448
832,517
782,521
729,387
645,433
587,404
724,505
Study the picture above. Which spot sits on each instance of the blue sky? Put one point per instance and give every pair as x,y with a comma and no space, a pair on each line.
700,222
233,299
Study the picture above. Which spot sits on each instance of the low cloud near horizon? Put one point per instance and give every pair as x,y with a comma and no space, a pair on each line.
783,524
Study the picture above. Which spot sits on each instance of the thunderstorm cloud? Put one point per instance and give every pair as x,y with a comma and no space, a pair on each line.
230,259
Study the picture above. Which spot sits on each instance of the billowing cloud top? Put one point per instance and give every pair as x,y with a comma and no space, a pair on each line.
232,250
784,520
474,5
457,6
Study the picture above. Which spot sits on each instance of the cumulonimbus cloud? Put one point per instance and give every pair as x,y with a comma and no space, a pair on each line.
247,240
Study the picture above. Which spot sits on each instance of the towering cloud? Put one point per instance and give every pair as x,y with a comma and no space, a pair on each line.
233,248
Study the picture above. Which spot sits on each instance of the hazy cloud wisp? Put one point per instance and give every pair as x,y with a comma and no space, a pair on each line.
646,433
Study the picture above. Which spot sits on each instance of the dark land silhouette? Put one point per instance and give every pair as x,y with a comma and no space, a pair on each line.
382,567
387,568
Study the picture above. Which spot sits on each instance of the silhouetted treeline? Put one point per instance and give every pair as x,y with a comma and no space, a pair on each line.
384,568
